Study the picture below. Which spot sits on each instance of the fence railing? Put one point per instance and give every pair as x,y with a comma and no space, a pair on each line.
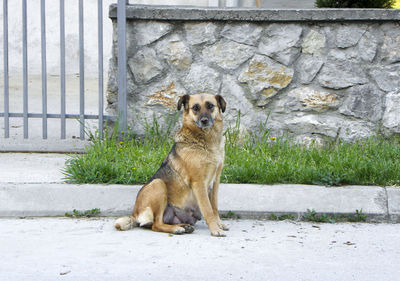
121,23
63,115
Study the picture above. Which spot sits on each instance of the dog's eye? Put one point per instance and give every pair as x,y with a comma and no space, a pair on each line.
209,105
196,107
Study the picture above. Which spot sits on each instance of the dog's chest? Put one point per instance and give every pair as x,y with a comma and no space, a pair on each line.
216,153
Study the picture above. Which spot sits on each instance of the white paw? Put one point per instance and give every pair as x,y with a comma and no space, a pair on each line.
223,226
179,230
123,223
218,233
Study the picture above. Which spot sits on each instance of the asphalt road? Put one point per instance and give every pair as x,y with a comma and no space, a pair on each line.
90,249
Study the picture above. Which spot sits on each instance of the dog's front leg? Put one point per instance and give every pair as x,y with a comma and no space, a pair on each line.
200,192
214,198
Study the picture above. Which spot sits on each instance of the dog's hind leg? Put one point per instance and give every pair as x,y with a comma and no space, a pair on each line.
154,199
160,226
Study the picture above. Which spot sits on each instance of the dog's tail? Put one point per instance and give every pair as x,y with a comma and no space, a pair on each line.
125,223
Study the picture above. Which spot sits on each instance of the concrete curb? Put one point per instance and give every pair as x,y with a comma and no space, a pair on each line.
249,201
253,14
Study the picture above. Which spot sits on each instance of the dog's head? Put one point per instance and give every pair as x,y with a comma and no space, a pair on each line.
202,109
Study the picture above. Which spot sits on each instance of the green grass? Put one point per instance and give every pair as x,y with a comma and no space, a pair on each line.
283,217
87,214
230,215
257,158
312,216
367,162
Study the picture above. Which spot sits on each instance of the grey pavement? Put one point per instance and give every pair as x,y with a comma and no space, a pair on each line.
90,249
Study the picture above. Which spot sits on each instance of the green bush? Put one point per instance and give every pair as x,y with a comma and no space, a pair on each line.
383,4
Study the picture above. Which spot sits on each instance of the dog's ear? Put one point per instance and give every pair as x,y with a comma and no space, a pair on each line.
221,103
183,100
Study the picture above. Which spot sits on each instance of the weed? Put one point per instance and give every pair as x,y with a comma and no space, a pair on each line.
156,133
79,214
283,217
357,217
328,179
230,215
311,215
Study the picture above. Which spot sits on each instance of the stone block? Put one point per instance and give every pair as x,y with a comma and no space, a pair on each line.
167,94
146,32
175,52
348,35
390,50
307,68
265,77
281,42
340,72
227,54
202,78
391,116
364,101
368,46
158,101
145,65
308,99
387,77
313,43
245,33
351,131
112,86
235,98
310,140
201,32
303,123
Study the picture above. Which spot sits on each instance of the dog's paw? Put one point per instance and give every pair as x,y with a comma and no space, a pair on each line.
188,228
218,233
123,223
184,228
223,226
179,230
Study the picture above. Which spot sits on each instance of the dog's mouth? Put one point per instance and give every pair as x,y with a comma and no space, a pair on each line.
204,121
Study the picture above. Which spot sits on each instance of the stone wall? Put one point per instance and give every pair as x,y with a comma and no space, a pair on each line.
312,74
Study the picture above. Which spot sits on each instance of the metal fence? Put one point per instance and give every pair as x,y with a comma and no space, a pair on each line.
63,115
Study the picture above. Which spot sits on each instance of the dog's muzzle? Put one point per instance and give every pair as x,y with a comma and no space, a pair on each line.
205,121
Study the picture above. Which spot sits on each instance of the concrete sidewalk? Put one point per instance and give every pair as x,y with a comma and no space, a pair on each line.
32,185
91,249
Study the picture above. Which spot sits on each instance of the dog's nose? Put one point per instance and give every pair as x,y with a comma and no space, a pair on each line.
204,121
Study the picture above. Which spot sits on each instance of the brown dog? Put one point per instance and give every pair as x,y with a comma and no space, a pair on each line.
186,184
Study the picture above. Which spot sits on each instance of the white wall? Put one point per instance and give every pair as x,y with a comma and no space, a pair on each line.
53,34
